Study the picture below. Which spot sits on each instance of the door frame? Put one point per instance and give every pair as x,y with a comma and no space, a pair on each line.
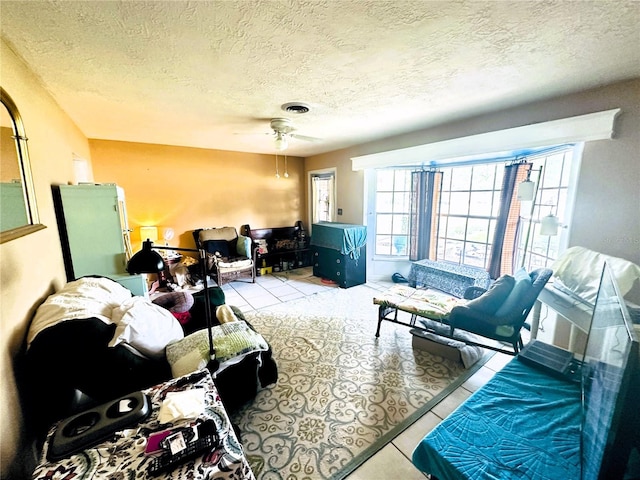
322,171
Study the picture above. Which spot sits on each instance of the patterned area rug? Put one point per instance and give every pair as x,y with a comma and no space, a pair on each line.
342,394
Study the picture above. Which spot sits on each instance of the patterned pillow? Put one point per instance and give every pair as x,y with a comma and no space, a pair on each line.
232,342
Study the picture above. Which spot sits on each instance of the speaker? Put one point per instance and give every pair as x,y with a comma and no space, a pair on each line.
97,424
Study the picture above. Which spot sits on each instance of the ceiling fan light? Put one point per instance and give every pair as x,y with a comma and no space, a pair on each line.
281,142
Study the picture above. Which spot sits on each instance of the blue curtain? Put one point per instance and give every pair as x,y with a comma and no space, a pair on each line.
425,195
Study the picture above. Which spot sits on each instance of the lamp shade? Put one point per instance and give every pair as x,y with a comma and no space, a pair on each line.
146,260
526,191
281,142
149,233
549,225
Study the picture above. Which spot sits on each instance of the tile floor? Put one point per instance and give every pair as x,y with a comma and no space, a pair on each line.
394,460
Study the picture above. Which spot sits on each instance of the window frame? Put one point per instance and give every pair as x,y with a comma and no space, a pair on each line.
565,215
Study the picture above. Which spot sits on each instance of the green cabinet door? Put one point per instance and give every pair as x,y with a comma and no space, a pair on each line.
91,230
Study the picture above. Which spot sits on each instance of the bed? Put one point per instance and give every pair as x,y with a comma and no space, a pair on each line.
522,424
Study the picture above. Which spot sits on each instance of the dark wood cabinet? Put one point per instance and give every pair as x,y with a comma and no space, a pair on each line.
339,252
342,269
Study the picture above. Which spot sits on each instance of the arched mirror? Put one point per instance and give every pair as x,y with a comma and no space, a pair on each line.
18,211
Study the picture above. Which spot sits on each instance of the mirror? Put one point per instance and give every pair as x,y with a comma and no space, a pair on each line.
18,211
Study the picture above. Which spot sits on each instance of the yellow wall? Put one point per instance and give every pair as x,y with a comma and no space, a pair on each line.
188,188
31,267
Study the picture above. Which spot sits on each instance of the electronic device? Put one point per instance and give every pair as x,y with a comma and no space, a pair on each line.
182,445
88,428
554,360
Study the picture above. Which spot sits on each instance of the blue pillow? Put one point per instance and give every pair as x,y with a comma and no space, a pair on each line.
518,296
493,298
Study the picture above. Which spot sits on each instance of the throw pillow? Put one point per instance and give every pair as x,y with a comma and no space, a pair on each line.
232,342
175,302
145,326
243,246
517,298
492,299
218,247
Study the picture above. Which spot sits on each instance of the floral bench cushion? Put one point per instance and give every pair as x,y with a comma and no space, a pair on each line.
424,303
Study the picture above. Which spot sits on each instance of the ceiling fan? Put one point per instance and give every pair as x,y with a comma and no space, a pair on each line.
283,130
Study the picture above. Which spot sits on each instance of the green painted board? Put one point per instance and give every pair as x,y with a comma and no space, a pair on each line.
94,233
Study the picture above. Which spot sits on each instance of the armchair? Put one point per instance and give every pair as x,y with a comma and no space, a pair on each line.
500,312
228,254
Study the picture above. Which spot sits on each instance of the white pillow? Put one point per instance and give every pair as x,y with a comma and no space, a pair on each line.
145,326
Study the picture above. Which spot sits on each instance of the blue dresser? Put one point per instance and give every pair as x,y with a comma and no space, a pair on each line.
339,252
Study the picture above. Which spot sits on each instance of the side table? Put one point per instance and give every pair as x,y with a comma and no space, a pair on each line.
123,456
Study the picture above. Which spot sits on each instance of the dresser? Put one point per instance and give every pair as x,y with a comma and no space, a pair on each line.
339,253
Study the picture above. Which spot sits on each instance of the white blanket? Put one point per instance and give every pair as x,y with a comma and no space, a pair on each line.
579,269
141,324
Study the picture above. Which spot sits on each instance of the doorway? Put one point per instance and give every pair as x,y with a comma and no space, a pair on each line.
323,195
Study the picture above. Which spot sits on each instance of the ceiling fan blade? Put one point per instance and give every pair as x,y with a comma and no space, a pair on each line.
304,137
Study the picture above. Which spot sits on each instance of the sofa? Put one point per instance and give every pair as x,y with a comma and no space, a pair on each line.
94,341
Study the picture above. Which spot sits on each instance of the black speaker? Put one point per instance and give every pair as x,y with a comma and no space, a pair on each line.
97,424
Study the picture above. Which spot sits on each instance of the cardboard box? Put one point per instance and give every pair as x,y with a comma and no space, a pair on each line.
421,342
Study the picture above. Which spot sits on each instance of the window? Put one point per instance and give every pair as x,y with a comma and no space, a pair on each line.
468,209
393,195
470,201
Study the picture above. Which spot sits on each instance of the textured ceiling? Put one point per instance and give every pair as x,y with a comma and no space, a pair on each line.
212,73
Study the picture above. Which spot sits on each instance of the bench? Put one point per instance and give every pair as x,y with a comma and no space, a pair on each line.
417,302
447,277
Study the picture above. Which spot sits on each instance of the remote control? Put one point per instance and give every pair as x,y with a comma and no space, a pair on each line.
168,461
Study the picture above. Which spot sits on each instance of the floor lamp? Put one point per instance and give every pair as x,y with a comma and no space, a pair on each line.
149,261
528,191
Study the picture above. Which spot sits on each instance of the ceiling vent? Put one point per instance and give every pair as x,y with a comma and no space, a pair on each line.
295,107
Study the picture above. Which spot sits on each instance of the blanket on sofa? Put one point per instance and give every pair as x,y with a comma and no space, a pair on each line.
94,337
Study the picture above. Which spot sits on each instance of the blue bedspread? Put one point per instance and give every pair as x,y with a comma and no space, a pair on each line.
523,424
